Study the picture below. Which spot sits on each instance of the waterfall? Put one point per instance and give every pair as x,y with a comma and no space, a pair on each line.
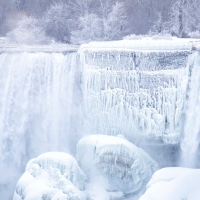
39,109
191,130
50,100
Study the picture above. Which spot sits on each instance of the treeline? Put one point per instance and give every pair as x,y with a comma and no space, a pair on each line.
77,21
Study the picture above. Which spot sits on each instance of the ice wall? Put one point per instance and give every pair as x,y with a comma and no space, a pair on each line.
136,93
39,109
191,129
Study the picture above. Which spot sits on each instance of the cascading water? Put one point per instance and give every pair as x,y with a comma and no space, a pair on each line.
191,131
39,109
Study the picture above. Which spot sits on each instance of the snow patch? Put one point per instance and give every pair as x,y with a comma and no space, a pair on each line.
174,184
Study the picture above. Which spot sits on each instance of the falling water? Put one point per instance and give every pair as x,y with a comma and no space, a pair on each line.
39,109
191,137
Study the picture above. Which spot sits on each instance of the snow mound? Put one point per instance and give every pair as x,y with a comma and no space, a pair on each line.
52,175
115,163
173,184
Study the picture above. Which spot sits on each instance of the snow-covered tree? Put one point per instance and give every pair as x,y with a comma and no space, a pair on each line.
158,25
160,28
178,18
55,22
109,25
28,31
90,29
193,15
184,17
82,7
105,7
114,22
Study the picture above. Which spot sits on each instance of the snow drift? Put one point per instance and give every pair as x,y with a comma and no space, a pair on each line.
173,184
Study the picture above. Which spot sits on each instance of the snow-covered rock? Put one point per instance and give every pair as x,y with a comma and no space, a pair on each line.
52,175
115,163
174,184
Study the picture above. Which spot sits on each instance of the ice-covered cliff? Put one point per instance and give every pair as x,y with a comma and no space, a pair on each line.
136,91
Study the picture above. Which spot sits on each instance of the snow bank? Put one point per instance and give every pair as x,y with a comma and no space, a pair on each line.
173,184
9,47
52,175
115,163
172,43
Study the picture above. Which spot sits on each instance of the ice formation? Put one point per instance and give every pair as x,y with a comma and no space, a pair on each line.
115,163
191,130
134,93
52,175
173,184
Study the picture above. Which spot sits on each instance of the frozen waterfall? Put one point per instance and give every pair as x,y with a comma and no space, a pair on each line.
39,109
49,100
139,94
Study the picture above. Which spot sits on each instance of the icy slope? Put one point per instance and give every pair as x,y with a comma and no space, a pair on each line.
115,163
134,92
174,184
53,175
